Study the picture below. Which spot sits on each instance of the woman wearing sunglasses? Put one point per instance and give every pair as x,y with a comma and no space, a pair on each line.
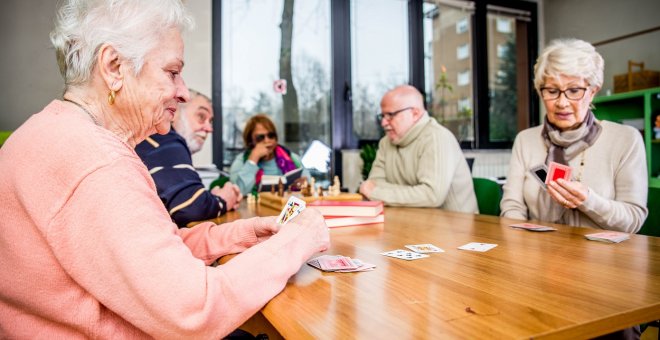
263,155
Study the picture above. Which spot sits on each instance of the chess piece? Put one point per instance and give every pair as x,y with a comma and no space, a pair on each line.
312,188
272,189
335,188
280,188
305,188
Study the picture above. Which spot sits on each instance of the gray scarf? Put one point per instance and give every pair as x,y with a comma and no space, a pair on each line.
565,145
562,147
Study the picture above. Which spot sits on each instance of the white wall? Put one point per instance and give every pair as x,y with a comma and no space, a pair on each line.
29,72
599,20
28,69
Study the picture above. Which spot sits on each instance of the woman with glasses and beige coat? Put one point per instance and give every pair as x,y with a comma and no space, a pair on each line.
608,188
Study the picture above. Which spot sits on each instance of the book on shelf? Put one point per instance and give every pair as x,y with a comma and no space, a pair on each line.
345,221
267,181
348,208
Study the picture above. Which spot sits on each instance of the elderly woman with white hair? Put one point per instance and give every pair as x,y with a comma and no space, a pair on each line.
609,185
90,251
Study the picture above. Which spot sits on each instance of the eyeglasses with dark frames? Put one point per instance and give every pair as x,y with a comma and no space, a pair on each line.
260,137
572,93
390,115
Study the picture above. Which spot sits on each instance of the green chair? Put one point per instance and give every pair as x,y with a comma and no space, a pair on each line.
489,194
3,136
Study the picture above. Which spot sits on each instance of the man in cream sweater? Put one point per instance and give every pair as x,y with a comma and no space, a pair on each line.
419,162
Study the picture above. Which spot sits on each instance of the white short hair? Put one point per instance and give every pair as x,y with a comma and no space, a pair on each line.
570,57
194,94
132,27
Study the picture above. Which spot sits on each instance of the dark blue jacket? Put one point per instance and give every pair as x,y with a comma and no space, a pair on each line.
179,186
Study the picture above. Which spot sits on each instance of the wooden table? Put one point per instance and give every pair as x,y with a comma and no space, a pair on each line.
532,285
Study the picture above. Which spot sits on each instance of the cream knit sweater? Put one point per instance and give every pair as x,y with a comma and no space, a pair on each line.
426,168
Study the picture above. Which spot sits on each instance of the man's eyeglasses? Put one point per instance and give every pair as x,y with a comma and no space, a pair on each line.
390,115
260,137
573,93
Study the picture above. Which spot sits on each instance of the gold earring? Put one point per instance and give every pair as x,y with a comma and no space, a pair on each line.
111,97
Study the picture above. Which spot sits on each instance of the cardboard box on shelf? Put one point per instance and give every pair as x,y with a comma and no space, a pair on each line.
641,79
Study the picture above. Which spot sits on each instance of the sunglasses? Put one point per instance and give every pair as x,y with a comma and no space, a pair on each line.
260,137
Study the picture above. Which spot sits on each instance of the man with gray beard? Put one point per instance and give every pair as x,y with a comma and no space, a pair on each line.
169,160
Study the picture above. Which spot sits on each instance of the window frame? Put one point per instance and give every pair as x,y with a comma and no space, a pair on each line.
341,95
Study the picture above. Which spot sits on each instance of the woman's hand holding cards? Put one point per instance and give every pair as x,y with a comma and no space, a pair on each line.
570,194
312,220
265,227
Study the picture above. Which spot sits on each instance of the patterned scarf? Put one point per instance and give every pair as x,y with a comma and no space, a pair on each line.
283,160
562,147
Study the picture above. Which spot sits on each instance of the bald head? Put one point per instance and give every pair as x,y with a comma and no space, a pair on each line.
405,96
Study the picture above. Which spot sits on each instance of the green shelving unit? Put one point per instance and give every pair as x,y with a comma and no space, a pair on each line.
639,108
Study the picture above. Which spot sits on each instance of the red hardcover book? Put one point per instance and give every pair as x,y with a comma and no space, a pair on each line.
348,208
344,221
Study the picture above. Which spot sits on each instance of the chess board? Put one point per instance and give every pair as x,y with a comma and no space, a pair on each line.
277,202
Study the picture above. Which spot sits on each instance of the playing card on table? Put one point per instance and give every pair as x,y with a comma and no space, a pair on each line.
404,254
608,236
557,171
334,263
362,267
532,227
424,248
476,246
293,207
315,262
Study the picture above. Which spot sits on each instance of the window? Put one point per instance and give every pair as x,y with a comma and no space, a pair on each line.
463,55
489,75
509,95
462,25
464,104
503,25
502,50
379,45
254,46
463,51
463,78
449,73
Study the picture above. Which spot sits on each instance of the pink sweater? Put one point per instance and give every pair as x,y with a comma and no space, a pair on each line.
88,250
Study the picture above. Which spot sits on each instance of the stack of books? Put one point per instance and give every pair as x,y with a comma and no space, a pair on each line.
349,213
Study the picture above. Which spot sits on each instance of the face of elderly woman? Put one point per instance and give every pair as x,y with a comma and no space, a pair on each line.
154,93
566,100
